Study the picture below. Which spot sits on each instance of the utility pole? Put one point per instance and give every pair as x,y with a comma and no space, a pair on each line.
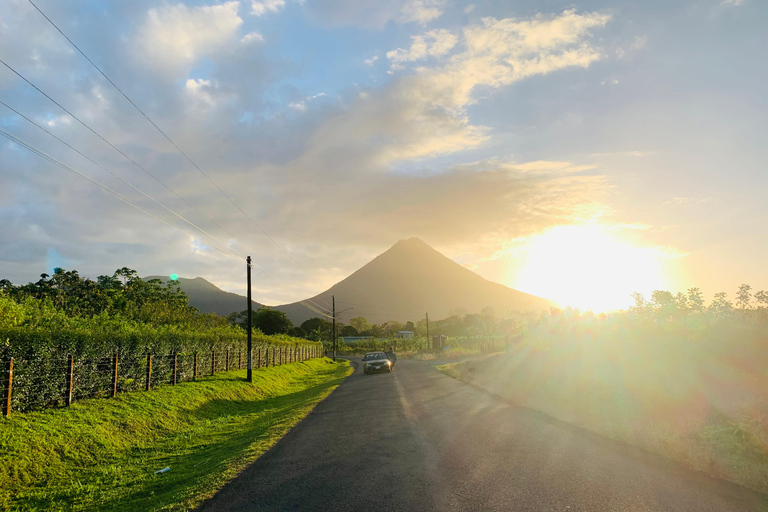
333,299
429,341
249,377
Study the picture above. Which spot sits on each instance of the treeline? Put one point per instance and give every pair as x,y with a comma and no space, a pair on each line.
66,314
459,324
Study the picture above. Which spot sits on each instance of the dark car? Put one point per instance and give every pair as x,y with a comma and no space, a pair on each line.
374,362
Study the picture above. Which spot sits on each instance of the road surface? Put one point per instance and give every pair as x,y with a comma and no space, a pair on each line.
417,440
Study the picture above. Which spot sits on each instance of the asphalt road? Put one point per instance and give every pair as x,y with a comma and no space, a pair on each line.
418,440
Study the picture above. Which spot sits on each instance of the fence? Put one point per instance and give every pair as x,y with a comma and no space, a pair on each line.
43,383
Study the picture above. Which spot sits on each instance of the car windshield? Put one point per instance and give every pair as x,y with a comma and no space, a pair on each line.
377,355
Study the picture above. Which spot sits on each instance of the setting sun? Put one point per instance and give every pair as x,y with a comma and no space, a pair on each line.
588,267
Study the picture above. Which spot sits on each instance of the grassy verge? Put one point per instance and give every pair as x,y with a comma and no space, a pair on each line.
651,411
103,454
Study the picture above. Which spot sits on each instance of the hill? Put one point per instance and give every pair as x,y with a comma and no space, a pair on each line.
411,279
208,298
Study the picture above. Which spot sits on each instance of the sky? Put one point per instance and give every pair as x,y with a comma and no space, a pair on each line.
577,151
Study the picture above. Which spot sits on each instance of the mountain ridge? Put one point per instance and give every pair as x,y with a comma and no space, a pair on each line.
403,283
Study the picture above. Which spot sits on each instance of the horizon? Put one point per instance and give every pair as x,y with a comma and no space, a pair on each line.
578,152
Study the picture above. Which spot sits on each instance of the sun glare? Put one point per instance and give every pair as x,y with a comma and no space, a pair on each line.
587,267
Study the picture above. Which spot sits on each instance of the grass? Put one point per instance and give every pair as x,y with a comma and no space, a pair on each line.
103,454
658,404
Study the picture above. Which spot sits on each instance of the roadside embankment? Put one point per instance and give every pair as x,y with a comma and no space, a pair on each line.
709,413
104,454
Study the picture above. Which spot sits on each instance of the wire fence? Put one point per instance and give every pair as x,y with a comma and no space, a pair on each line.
32,384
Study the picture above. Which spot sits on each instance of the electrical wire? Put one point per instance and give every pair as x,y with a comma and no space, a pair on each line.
64,166
134,162
172,142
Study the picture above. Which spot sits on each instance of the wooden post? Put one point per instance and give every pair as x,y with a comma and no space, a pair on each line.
8,387
175,362
70,373
273,356
280,357
227,360
114,377
213,362
194,368
240,359
148,385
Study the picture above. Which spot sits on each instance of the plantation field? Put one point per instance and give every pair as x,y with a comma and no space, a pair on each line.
103,454
696,394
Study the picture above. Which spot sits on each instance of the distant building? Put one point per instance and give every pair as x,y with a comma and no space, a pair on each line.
404,334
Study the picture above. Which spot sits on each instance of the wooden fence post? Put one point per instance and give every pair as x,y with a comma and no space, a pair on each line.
8,387
227,366
273,356
194,368
240,359
175,361
70,373
213,362
114,376
148,385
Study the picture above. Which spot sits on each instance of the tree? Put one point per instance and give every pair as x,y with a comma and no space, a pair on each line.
744,297
360,323
271,321
313,324
695,300
761,298
720,304
663,304
348,330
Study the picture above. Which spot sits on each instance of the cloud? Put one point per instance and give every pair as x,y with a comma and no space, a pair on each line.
435,43
374,14
252,37
370,61
175,36
266,6
329,184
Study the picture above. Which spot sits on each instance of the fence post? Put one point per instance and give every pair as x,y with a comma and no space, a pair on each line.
280,357
8,387
194,368
175,361
149,373
70,372
227,366
273,356
213,362
240,359
114,376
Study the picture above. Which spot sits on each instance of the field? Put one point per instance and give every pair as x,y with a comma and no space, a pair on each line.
103,454
698,395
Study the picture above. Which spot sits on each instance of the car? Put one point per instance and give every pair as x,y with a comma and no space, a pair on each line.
374,362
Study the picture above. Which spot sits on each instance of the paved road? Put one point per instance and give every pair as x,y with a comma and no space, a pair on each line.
417,440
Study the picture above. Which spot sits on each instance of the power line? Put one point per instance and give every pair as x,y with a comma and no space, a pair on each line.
172,142
112,145
118,177
39,152
64,166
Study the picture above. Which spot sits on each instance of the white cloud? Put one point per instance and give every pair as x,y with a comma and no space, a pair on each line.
200,90
733,3
253,37
175,36
435,43
266,6
376,14
372,60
